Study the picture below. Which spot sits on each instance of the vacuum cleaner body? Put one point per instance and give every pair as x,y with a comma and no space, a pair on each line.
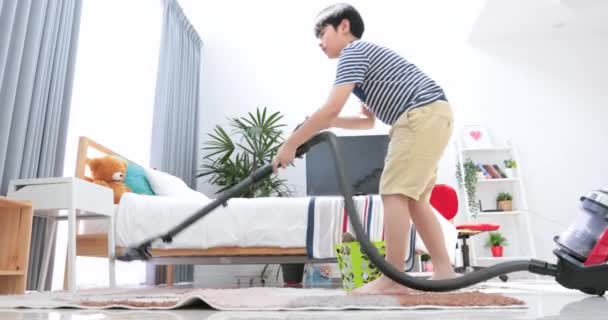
582,252
582,249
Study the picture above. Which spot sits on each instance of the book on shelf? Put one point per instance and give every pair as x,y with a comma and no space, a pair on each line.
499,170
483,170
491,171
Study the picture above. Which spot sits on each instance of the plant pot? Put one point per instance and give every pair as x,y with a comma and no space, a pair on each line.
293,273
427,266
510,172
497,251
505,205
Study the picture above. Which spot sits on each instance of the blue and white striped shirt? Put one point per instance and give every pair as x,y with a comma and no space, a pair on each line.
385,81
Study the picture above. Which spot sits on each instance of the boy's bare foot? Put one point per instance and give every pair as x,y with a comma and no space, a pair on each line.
383,285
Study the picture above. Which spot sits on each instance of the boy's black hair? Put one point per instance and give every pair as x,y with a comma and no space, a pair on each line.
334,14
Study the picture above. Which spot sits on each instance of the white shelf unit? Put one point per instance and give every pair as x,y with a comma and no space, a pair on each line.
515,224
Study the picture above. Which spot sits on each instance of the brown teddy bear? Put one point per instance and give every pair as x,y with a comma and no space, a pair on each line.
110,172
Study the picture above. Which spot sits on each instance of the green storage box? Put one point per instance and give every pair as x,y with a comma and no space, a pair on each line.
355,267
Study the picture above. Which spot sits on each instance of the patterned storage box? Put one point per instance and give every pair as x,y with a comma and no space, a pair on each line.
355,267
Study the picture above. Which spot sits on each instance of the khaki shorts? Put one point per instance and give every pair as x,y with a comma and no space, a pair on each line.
417,141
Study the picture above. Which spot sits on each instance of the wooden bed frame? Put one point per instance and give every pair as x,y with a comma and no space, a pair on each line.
95,245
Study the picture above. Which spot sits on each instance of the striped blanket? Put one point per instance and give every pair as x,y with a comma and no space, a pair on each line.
328,220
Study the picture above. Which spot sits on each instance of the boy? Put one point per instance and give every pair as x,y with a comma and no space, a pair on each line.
399,94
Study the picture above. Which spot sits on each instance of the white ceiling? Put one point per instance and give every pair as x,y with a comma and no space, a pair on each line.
501,19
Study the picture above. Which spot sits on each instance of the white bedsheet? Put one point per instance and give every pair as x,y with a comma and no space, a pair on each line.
244,222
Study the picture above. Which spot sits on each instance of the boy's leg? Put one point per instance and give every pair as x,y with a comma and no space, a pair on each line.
418,140
433,130
427,226
396,230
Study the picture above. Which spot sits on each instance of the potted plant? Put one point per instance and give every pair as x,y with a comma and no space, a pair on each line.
510,166
504,201
229,159
469,181
496,242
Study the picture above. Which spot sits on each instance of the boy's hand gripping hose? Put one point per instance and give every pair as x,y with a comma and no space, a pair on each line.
142,252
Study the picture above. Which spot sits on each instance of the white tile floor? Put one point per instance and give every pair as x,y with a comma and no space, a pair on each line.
546,300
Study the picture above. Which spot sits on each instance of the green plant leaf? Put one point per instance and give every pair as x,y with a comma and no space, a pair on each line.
220,144
469,182
504,196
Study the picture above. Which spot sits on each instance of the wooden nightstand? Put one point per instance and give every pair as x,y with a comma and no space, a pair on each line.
15,234
68,198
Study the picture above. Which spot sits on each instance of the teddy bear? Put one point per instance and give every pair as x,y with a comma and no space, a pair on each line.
110,172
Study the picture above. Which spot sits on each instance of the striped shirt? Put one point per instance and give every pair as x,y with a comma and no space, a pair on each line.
385,81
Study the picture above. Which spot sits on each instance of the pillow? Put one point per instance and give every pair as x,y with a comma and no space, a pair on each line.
135,178
165,184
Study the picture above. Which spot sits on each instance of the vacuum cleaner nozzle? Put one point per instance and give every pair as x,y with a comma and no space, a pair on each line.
135,253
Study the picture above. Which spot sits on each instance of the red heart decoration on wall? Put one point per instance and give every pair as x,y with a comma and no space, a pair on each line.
475,134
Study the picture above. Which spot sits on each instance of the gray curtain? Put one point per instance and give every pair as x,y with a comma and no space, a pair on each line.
176,106
38,41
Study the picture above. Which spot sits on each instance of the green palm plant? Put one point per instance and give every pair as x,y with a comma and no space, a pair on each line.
256,140
504,196
496,239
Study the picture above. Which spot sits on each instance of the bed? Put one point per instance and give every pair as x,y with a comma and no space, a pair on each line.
246,231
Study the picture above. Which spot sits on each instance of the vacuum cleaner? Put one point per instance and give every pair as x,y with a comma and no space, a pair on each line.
582,250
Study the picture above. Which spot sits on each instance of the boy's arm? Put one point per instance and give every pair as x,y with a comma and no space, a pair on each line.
356,122
319,120
323,117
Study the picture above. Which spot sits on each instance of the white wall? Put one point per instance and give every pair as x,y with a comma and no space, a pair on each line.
112,103
545,93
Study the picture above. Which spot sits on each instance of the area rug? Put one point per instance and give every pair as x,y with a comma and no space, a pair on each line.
256,299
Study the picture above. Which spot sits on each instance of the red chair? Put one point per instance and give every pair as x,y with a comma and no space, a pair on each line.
445,200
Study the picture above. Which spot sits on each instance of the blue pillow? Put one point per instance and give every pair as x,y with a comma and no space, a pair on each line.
136,179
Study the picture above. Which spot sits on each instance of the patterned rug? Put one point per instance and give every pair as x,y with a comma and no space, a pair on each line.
255,299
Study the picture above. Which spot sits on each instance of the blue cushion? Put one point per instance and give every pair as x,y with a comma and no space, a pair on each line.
136,179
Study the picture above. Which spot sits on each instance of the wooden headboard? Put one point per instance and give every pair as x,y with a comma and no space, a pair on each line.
84,146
